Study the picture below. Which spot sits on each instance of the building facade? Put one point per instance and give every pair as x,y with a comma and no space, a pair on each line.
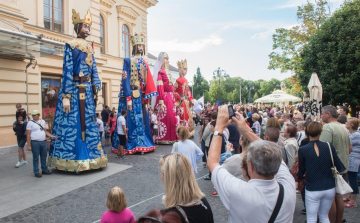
113,22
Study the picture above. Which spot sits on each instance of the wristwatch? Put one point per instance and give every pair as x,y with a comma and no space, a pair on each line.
216,133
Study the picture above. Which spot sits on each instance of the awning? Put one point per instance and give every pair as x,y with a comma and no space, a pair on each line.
278,96
19,46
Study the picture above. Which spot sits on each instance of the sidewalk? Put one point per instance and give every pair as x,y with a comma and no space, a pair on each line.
19,189
8,142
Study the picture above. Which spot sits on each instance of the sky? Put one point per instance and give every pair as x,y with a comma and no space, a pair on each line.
235,35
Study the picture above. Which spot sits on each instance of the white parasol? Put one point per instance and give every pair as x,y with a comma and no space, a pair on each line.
278,96
316,91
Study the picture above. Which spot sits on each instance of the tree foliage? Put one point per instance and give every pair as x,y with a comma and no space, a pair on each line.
201,85
334,54
289,43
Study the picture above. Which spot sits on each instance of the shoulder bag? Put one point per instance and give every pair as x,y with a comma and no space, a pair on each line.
278,205
341,186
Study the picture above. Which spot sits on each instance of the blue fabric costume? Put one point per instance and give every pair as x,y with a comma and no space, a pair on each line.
139,134
69,152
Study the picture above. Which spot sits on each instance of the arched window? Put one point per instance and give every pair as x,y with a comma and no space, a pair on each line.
125,41
102,40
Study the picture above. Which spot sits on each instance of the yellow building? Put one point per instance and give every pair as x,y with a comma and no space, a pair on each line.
33,33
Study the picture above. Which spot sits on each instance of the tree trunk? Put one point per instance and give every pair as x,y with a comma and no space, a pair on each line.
353,110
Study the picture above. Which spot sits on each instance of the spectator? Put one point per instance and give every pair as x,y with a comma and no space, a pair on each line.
354,160
272,134
274,122
187,147
20,132
249,119
253,201
122,134
116,203
342,119
232,164
207,136
154,124
100,124
300,126
234,138
320,183
112,125
344,110
105,114
20,112
291,145
336,134
182,193
114,110
107,134
36,139
287,120
156,216
278,114
256,124
202,142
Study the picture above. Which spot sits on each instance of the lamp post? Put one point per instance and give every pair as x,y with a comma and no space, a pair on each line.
192,88
250,87
218,73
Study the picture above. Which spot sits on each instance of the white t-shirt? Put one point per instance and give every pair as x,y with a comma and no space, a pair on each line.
154,120
120,123
37,133
254,201
101,123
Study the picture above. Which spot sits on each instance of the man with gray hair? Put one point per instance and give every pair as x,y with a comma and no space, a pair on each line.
270,195
300,125
338,135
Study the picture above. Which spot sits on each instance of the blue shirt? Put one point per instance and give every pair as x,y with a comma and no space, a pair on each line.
319,176
190,150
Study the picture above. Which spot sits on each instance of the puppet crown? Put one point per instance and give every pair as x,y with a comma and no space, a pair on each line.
182,64
76,18
137,39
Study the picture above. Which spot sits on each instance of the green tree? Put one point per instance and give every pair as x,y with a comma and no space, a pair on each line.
216,92
334,54
288,43
201,85
267,87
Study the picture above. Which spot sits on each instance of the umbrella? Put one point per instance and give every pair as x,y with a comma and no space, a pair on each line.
278,96
306,101
315,89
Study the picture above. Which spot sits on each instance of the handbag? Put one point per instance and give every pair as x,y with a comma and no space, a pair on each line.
341,186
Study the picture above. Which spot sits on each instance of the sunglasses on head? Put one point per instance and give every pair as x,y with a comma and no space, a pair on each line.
152,219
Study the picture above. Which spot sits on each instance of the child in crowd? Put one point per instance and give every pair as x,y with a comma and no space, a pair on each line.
116,203
107,134
256,125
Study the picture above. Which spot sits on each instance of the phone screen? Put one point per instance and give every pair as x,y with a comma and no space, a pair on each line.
231,111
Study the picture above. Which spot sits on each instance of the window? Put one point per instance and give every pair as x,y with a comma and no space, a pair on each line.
102,41
103,92
53,15
125,41
50,87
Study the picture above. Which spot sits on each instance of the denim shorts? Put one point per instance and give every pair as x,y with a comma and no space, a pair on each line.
21,141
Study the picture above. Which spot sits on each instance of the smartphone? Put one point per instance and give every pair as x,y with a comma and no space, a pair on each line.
231,111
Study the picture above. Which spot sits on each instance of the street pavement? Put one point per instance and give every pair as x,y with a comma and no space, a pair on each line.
67,197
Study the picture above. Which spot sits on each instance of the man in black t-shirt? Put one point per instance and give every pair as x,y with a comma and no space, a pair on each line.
105,114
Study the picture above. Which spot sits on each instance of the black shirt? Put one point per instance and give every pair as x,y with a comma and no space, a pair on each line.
105,115
20,130
234,136
200,213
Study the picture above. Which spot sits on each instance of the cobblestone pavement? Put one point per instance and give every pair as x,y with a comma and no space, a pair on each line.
143,188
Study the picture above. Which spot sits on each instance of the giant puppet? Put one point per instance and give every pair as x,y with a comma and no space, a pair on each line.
78,146
166,115
137,87
183,98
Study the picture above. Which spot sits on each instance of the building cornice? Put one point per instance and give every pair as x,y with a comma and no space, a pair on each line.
108,3
127,12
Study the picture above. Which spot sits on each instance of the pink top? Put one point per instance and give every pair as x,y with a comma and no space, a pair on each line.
126,216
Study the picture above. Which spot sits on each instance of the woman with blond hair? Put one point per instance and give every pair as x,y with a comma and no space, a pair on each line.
116,203
187,147
352,125
182,193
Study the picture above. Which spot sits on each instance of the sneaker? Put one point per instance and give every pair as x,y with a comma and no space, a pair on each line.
118,156
215,194
207,178
303,211
18,164
124,158
38,175
24,163
46,172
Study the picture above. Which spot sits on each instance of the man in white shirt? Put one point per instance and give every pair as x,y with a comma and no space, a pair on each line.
122,133
252,201
154,124
100,124
36,139
300,125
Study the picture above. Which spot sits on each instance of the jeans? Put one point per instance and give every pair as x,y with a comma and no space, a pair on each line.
318,203
353,182
39,148
358,175
203,149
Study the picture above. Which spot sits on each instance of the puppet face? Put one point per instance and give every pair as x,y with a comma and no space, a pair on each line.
84,32
140,48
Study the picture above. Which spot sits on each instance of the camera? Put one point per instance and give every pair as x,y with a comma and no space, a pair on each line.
231,111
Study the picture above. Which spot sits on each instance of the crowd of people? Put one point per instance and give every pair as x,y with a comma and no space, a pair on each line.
260,159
